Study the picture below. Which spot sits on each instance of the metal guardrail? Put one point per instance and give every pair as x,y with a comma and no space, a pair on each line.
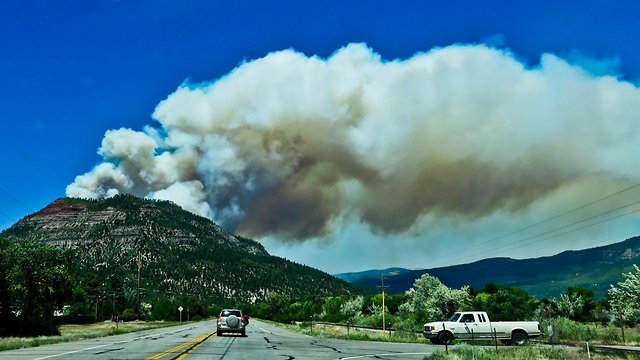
352,326
349,325
626,348
622,348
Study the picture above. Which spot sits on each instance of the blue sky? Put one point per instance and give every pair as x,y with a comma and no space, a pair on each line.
71,70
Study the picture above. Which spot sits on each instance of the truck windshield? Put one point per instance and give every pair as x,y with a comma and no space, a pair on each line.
454,317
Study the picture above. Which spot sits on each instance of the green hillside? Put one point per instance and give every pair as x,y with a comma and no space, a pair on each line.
595,268
174,251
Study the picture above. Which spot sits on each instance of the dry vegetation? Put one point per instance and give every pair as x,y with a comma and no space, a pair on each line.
465,351
79,332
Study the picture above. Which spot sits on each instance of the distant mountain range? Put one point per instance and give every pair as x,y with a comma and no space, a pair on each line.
544,277
175,251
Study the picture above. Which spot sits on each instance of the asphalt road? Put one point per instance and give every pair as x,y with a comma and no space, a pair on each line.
198,341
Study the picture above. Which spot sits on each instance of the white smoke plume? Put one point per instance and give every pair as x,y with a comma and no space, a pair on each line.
290,145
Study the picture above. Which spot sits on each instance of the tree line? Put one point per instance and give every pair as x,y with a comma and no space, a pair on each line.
43,286
39,280
430,300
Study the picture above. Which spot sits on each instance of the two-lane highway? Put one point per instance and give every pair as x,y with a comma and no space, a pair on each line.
139,345
264,341
198,342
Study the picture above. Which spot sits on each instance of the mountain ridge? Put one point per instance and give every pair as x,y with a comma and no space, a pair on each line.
175,251
549,276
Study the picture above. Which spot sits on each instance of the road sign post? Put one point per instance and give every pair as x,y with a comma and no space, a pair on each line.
180,308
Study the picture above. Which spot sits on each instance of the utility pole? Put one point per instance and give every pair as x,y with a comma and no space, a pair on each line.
139,261
382,287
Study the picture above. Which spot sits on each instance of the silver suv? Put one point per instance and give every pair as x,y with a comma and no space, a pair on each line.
232,321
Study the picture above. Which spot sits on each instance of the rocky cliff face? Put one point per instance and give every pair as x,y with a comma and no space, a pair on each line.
175,251
74,222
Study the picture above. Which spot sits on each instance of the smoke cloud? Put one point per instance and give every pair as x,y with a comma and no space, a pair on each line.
289,146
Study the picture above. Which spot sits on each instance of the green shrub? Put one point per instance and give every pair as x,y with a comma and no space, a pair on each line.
611,337
369,320
128,315
118,331
405,327
565,329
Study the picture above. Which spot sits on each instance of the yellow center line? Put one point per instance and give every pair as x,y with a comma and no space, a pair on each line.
184,354
179,347
189,349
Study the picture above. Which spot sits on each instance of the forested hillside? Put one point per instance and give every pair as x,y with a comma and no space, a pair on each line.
125,245
596,269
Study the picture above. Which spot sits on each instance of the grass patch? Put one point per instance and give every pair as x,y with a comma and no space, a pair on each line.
80,332
570,332
465,351
340,332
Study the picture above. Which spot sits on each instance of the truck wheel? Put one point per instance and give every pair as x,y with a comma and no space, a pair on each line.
519,338
445,338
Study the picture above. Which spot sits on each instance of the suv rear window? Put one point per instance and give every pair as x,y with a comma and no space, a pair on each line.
226,313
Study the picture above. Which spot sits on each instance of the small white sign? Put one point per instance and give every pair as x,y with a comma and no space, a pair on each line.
180,308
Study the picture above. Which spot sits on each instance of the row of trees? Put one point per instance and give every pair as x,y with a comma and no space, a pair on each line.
42,286
40,279
108,292
430,300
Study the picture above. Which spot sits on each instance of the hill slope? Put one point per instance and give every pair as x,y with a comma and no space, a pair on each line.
176,252
550,276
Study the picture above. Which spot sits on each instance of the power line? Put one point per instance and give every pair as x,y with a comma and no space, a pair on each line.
15,199
6,216
553,230
581,228
510,246
553,217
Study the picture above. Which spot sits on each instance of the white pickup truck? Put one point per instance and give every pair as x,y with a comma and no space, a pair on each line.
476,325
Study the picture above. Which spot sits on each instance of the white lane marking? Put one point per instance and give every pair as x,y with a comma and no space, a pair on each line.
115,342
376,355
351,357
265,330
294,335
73,352
261,328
